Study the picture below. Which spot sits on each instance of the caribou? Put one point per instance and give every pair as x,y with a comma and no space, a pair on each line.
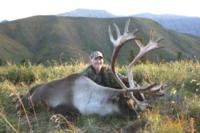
79,94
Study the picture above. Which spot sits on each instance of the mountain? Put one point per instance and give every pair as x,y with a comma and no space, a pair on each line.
3,21
43,38
88,13
183,24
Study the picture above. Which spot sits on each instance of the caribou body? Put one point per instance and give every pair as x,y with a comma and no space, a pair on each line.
79,94
76,93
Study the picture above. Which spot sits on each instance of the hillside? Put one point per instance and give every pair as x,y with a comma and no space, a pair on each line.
43,38
190,25
183,24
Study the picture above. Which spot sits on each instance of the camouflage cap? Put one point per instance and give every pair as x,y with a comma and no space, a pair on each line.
96,54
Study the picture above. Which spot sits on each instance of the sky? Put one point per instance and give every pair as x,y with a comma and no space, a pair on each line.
17,9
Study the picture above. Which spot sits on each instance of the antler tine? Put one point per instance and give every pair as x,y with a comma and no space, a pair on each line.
135,31
159,40
117,30
142,104
151,34
138,56
156,90
152,44
139,43
126,26
110,35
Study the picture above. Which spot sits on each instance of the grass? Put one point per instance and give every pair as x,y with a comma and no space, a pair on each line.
177,112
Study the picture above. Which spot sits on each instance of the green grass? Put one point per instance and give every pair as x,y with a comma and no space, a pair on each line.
177,112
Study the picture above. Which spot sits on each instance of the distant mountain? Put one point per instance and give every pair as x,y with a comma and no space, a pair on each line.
190,25
43,38
88,13
3,21
183,24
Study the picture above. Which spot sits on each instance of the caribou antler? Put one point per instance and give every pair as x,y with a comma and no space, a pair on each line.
143,49
117,44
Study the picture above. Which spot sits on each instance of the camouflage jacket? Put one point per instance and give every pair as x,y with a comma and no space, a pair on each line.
105,77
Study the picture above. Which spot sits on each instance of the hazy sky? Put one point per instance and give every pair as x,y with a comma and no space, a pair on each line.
16,9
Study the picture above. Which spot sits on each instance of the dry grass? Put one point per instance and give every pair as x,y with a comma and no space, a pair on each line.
177,112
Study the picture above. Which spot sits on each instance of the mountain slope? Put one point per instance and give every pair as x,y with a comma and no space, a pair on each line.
183,24
43,38
190,25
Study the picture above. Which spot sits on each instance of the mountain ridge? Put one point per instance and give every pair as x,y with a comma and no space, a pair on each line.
88,13
183,24
43,38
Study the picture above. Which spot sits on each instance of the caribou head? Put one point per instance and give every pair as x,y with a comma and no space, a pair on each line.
79,94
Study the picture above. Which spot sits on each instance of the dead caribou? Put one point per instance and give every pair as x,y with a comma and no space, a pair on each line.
79,94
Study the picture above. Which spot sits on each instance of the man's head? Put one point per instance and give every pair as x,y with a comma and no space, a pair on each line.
96,60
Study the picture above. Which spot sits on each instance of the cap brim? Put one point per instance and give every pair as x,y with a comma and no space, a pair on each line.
98,56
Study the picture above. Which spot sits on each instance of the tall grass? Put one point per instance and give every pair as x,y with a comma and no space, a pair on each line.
29,74
176,112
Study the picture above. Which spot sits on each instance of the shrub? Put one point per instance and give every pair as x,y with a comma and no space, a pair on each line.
21,74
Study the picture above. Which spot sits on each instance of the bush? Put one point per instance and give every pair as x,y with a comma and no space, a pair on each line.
21,74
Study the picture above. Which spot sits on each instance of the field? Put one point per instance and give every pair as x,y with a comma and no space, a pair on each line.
176,112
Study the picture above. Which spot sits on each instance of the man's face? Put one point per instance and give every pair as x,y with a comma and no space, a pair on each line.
97,63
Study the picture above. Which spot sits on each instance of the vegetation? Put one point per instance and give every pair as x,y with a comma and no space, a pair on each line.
42,38
177,112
